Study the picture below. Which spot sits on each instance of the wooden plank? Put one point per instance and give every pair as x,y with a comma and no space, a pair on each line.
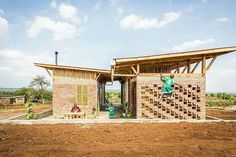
210,64
195,67
128,75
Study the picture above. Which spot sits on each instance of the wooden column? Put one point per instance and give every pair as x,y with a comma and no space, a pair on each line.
189,66
122,91
177,70
138,69
103,93
203,65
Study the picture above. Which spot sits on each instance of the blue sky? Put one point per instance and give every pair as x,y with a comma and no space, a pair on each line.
91,33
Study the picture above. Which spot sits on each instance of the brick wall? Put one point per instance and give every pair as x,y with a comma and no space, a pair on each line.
64,93
185,103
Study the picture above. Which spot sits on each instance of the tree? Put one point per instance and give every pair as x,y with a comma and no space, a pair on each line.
40,84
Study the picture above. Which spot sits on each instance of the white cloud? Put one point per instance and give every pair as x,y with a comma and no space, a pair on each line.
204,1
53,4
192,44
69,12
3,68
136,22
61,30
222,19
97,6
4,27
20,65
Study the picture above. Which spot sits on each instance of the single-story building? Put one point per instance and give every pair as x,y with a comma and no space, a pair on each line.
141,84
11,100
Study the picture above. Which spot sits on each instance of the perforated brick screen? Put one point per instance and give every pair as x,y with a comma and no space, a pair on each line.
187,102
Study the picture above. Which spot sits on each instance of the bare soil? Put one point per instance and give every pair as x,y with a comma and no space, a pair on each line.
222,114
15,110
162,139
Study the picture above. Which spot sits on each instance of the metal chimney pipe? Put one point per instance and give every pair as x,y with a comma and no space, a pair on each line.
56,53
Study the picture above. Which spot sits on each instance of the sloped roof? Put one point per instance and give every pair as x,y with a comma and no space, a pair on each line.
177,57
51,67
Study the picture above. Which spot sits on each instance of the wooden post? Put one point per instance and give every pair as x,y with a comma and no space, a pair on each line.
189,66
203,65
177,68
138,69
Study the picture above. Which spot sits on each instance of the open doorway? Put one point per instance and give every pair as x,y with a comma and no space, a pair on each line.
110,94
115,95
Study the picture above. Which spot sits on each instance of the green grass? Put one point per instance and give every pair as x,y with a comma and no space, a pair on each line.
220,99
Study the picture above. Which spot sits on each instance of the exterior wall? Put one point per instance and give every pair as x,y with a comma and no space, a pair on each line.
64,91
185,103
132,96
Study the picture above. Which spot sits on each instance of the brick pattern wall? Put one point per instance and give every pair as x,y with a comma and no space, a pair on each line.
64,93
185,103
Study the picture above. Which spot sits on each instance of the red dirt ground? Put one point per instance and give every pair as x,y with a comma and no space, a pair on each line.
163,139
21,109
222,114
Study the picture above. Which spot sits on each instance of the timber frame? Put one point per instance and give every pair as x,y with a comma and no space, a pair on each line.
178,63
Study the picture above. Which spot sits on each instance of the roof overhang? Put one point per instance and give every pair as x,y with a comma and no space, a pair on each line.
176,57
52,67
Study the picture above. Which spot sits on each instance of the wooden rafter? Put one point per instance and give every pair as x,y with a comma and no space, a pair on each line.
184,69
98,75
195,67
210,64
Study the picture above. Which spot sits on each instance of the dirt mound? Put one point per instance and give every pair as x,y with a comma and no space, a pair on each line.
176,139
